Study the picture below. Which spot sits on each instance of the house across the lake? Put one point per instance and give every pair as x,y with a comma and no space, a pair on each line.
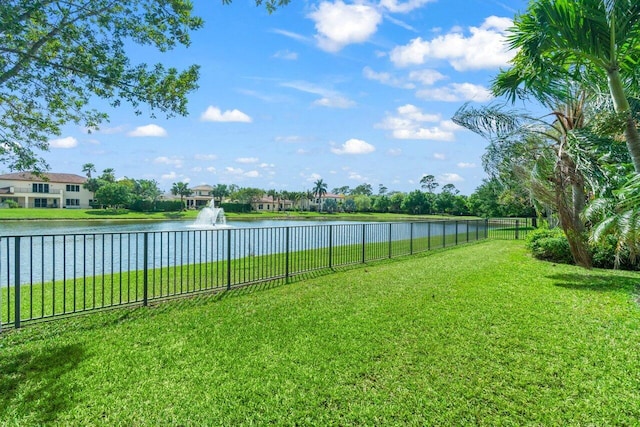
50,190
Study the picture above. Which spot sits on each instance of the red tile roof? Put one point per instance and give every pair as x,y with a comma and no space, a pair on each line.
65,178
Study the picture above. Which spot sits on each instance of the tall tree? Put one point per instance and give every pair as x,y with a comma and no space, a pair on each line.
58,56
580,40
181,189
362,189
549,155
428,182
319,190
88,169
113,195
220,191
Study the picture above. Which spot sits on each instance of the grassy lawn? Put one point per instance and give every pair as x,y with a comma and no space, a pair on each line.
480,334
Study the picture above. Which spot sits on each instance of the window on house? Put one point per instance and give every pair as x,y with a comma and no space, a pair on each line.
72,202
40,203
39,188
74,188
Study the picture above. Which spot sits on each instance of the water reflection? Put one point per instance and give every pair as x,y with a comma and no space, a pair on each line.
36,227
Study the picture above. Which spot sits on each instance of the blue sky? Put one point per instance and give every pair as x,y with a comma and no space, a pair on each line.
347,92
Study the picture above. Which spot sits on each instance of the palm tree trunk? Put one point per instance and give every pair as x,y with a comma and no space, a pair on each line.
621,105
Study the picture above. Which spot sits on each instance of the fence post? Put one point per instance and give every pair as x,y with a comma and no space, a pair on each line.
331,246
486,228
286,261
390,235
517,229
228,259
145,270
444,234
428,236
411,239
456,232
17,282
477,230
364,242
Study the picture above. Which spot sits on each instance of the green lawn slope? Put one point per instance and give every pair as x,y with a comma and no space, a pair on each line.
478,334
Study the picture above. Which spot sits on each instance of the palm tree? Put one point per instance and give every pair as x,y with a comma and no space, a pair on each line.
88,168
319,190
580,40
550,153
181,189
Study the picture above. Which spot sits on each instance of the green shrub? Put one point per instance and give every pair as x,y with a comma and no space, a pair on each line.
236,207
604,255
549,245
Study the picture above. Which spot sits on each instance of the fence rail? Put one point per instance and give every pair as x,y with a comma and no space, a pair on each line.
48,276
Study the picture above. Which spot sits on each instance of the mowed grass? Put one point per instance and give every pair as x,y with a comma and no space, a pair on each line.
79,294
479,334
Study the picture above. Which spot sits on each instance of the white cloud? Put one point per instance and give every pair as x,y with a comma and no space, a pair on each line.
148,130
439,156
290,138
409,123
214,114
286,55
329,97
396,7
174,161
354,146
464,165
485,47
386,79
356,177
334,102
68,142
456,92
169,176
211,169
427,77
450,178
205,157
339,24
394,152
233,171
252,174
291,35
106,130
247,160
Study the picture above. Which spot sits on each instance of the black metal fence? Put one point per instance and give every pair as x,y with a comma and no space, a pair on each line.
49,276
510,228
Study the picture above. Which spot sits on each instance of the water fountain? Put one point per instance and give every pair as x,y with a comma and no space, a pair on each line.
210,217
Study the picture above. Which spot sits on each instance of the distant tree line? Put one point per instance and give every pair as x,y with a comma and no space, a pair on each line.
491,199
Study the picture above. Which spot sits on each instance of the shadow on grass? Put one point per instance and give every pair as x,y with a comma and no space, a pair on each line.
597,283
106,212
173,215
31,387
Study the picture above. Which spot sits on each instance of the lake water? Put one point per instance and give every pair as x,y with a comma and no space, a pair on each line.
36,227
51,250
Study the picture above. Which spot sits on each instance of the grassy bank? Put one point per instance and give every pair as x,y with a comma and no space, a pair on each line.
479,334
102,214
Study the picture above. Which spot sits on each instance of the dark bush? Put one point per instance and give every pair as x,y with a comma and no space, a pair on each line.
604,255
550,245
236,207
